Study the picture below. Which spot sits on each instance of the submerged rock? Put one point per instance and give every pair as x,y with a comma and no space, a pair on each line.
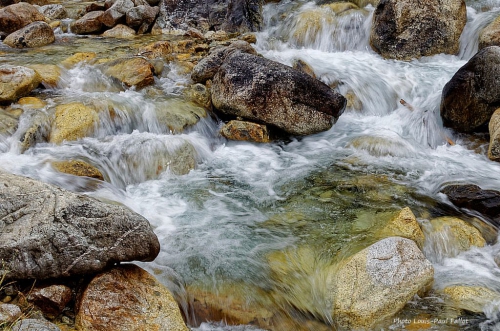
73,121
471,298
127,298
246,131
377,282
8,123
458,234
159,49
78,168
16,82
48,232
17,16
472,197
215,15
407,29
178,115
78,58
134,71
35,34
262,90
473,93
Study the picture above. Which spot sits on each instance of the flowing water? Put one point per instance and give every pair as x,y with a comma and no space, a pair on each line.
257,225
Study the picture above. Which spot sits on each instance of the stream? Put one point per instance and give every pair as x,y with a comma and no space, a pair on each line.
311,201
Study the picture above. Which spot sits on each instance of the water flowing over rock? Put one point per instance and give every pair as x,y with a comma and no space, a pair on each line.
227,15
127,298
490,35
377,282
78,168
458,235
471,298
89,23
472,197
134,71
246,131
262,90
17,16
473,93
48,232
16,82
73,121
8,123
35,34
406,29
494,130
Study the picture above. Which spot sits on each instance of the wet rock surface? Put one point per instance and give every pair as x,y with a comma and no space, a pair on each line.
16,82
47,232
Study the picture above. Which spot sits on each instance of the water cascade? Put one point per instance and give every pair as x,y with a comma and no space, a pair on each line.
259,226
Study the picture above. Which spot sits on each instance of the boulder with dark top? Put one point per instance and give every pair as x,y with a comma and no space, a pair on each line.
227,15
473,93
48,232
258,89
407,29
89,23
208,66
14,17
35,34
472,197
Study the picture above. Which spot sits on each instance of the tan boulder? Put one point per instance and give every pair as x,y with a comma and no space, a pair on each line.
377,282
404,224
246,131
490,35
73,121
89,23
471,298
78,168
77,58
457,234
127,298
17,16
50,73
494,129
36,34
120,31
134,71
16,82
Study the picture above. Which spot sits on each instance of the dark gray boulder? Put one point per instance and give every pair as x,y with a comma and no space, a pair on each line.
406,29
48,232
226,15
141,17
265,91
473,93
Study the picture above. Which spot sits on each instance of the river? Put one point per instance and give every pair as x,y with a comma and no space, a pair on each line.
313,199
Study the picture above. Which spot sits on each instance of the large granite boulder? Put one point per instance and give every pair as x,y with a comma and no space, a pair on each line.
16,82
473,93
73,121
127,298
48,232
16,16
377,282
406,29
89,23
227,15
261,90
472,197
35,34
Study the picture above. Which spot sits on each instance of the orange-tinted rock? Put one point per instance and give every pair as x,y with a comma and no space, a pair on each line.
51,299
78,168
134,71
248,131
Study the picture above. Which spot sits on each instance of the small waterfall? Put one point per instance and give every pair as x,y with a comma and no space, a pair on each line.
476,22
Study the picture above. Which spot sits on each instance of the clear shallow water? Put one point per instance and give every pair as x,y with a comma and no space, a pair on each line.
309,201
